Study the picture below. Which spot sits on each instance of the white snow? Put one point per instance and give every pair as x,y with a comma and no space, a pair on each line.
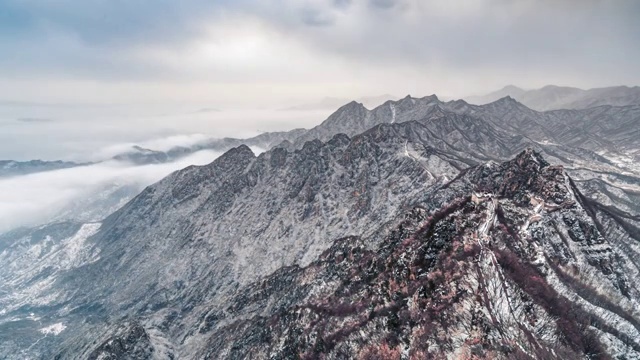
75,253
393,112
54,329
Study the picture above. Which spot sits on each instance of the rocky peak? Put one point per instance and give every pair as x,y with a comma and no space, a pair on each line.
530,156
508,108
240,154
352,107
528,173
344,118
506,101
407,99
430,99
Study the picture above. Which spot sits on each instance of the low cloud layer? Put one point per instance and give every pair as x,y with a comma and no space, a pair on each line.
37,198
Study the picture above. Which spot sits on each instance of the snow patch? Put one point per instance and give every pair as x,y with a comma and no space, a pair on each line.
54,329
393,113
75,252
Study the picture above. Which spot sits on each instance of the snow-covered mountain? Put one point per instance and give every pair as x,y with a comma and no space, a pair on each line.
507,261
437,229
553,97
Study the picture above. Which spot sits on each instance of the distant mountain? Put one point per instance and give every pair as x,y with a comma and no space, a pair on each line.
15,168
553,97
135,155
591,123
141,156
330,103
612,132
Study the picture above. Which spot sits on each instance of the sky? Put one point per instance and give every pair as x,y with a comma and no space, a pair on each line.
261,53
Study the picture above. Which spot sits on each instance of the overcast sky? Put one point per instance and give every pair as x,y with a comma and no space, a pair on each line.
238,52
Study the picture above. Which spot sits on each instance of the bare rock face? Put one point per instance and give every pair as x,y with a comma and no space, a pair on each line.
130,342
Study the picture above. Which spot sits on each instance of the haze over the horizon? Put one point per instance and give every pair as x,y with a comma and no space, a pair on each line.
273,52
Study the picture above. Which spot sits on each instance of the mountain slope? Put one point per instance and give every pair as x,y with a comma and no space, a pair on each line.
292,205
505,261
180,241
536,279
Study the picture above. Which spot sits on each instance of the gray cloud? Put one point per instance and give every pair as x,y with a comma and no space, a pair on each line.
99,22
591,42
342,3
514,33
34,120
385,4
316,17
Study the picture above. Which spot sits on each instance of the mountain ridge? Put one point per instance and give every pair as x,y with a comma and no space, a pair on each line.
553,97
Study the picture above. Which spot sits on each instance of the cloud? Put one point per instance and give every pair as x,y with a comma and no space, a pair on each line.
105,22
157,144
37,198
99,132
34,120
315,17
385,4
196,48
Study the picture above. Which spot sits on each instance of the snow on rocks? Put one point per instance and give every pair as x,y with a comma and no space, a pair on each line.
54,329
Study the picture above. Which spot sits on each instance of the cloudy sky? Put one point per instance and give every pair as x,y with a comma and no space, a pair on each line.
260,52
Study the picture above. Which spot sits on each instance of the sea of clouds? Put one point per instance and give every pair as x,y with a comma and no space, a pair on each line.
86,193
95,134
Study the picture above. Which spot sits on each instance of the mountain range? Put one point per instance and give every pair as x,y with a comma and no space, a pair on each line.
417,229
552,97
